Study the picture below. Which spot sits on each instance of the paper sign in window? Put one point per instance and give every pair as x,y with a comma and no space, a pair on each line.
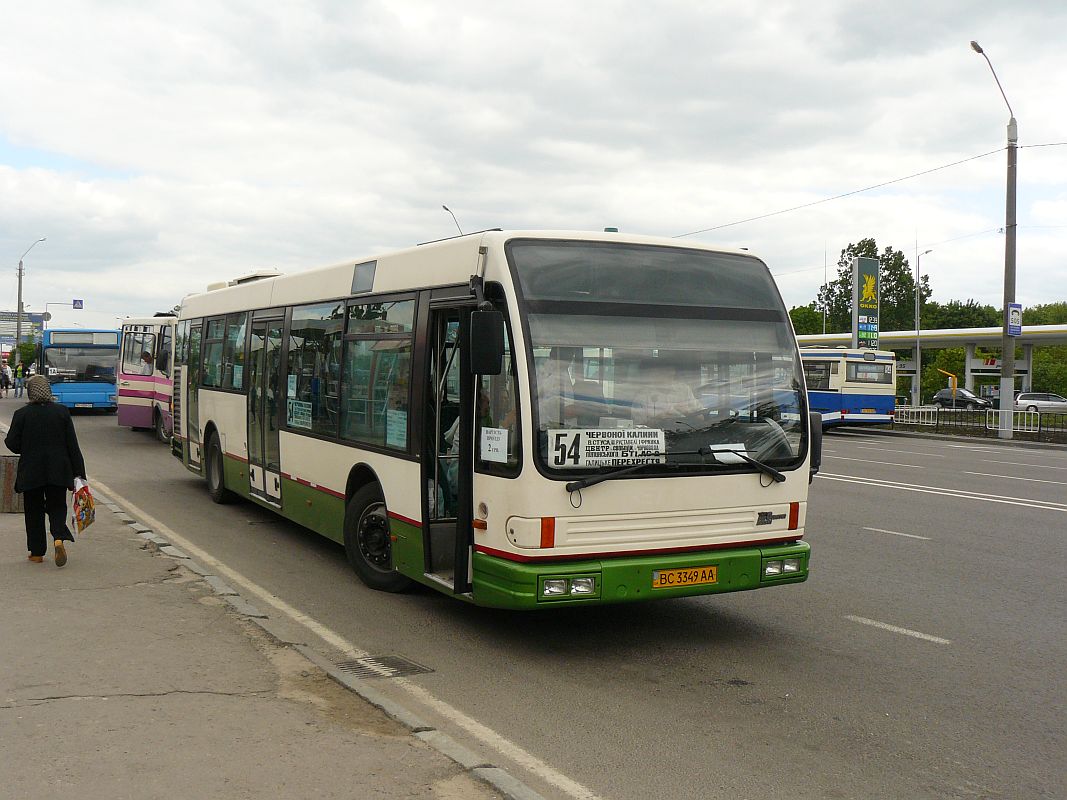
494,445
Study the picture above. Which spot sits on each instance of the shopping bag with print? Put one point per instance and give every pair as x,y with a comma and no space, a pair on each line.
83,513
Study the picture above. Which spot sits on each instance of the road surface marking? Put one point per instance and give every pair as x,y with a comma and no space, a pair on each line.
476,729
1043,505
894,629
1020,464
890,450
1015,478
870,461
898,533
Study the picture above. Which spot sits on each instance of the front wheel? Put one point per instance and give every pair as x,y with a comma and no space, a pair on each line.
161,428
216,483
1031,408
368,543
970,406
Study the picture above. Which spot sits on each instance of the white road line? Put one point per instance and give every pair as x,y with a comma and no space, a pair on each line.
913,452
485,735
897,533
870,461
1015,478
894,629
1042,505
1019,464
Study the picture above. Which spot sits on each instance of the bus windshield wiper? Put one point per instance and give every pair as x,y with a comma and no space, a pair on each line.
766,469
593,480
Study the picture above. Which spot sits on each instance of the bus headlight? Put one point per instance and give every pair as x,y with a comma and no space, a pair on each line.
772,568
583,585
791,565
554,587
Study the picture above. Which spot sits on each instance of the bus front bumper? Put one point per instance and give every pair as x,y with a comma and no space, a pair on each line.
501,583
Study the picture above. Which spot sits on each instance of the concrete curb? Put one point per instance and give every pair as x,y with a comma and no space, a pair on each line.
479,767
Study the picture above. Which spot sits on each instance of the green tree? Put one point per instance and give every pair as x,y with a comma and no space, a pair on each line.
897,291
959,314
806,319
1046,314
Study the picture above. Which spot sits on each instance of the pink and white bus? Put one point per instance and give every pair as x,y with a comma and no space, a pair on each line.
145,382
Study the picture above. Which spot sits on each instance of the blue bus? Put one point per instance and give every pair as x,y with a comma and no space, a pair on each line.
80,364
850,386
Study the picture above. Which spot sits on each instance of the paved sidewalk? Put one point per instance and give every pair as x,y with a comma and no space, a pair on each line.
125,675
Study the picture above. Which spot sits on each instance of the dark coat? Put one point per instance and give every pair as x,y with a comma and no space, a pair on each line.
43,436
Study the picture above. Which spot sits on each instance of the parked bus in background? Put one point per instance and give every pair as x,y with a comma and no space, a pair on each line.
853,386
80,364
519,419
145,385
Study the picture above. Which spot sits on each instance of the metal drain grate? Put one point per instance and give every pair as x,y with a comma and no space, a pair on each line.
382,667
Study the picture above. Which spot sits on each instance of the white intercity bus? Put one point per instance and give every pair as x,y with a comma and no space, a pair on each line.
521,419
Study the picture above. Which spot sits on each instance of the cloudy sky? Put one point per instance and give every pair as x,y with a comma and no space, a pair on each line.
162,146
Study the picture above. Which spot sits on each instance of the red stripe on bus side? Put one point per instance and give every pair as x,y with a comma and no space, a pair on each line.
490,551
310,485
406,520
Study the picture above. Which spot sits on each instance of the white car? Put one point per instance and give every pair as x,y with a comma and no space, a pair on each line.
1041,401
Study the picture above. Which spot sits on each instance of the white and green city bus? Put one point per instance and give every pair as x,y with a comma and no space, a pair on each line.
522,419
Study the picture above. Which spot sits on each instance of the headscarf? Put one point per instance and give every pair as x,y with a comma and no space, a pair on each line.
39,389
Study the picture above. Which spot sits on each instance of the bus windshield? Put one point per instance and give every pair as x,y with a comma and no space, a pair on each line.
657,355
80,364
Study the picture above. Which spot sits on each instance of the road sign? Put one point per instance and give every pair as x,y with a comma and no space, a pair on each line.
78,304
1015,319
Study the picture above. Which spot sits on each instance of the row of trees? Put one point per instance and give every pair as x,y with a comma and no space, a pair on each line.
897,313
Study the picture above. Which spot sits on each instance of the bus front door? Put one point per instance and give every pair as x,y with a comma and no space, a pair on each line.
449,429
264,364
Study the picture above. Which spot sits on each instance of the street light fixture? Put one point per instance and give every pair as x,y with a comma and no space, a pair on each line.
449,210
18,313
1007,349
916,387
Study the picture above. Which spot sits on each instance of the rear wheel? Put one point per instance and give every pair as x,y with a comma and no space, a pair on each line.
213,467
368,544
970,406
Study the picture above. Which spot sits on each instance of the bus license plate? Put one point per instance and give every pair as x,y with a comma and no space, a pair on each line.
869,411
687,576
83,405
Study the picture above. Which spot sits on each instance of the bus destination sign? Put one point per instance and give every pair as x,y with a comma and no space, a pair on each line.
585,448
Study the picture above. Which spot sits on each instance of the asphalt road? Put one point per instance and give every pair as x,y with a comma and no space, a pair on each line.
924,658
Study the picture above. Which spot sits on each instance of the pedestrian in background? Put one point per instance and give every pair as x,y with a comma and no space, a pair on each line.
5,379
42,433
20,378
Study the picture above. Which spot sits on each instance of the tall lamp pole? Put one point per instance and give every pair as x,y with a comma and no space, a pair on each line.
18,313
1007,349
916,388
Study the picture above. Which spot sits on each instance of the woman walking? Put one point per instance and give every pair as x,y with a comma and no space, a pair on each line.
42,433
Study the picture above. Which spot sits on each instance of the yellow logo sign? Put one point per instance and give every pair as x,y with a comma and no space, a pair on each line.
868,289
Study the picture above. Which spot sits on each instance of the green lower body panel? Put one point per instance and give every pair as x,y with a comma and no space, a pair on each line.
507,584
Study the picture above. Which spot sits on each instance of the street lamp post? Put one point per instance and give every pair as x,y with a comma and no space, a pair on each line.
1007,349
18,313
916,389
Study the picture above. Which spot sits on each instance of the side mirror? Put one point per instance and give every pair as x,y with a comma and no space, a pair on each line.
815,425
487,342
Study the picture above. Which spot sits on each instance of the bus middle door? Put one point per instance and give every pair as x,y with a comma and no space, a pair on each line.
264,362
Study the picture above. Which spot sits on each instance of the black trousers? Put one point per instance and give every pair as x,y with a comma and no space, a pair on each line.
51,500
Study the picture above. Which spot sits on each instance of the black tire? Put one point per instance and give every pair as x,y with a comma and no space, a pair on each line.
161,428
970,406
367,543
215,472
1031,408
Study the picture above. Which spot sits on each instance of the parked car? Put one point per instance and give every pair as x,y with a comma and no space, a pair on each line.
964,399
1041,401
